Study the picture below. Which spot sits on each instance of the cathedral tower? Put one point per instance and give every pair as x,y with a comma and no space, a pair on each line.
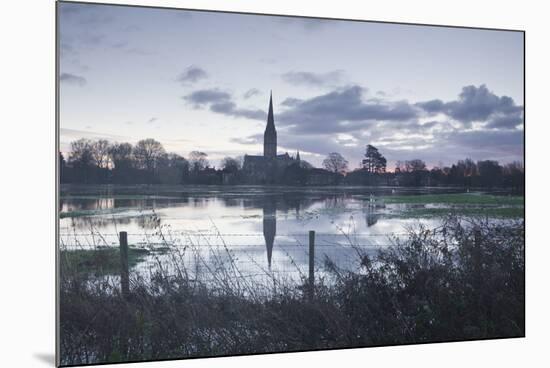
270,134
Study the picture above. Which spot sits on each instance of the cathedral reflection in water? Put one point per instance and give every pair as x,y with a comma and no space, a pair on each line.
269,226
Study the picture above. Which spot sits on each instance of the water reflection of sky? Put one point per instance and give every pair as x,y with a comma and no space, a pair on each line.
263,230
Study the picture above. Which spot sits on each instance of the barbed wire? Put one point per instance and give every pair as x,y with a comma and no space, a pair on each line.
239,235
252,245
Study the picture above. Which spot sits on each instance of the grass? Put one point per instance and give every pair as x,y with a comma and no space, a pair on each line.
463,280
456,199
101,261
85,213
491,212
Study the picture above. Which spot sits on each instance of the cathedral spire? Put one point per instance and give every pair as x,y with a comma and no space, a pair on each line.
270,120
270,134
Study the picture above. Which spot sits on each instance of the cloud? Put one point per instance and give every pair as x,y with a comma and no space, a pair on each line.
207,96
506,121
229,108
432,106
478,104
502,140
253,139
220,102
346,119
340,111
191,75
72,79
67,134
291,102
313,79
251,92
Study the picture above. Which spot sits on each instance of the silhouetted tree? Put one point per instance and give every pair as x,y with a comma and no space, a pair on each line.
147,153
374,162
198,161
172,169
121,155
514,173
81,153
62,167
490,172
415,165
82,161
230,164
104,162
100,153
335,163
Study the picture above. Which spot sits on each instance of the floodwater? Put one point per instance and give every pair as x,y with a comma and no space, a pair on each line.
259,229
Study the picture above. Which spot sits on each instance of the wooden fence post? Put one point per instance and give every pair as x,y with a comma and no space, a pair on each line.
311,262
124,275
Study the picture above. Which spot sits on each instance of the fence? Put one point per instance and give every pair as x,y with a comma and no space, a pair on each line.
125,271
253,250
312,250
298,255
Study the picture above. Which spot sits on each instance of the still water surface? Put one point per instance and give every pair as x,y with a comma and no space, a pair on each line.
263,229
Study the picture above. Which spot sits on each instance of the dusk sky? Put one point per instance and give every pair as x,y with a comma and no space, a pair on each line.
201,81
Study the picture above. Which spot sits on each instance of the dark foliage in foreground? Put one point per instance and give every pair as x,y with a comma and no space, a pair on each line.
463,281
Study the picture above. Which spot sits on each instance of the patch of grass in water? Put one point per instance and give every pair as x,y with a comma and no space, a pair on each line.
456,198
102,261
493,212
83,213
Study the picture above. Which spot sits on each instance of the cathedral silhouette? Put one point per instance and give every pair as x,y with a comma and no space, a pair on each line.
265,169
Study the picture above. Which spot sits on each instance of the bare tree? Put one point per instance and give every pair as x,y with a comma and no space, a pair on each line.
198,160
148,152
81,153
335,163
100,153
121,155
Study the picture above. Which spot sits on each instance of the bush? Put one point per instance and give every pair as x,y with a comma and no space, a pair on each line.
463,280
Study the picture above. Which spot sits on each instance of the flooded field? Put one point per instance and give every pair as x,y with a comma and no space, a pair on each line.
262,230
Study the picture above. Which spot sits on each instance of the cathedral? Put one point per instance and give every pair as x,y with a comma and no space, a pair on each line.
267,168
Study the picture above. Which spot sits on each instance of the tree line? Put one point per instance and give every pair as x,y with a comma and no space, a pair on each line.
464,173
147,162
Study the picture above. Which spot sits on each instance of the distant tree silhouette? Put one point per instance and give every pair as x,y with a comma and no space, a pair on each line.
172,169
81,159
231,164
62,167
121,155
490,172
374,162
148,153
198,161
100,153
335,163
415,165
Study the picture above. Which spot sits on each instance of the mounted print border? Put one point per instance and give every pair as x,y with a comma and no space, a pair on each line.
238,183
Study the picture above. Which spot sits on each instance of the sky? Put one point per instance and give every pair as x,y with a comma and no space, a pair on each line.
201,81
